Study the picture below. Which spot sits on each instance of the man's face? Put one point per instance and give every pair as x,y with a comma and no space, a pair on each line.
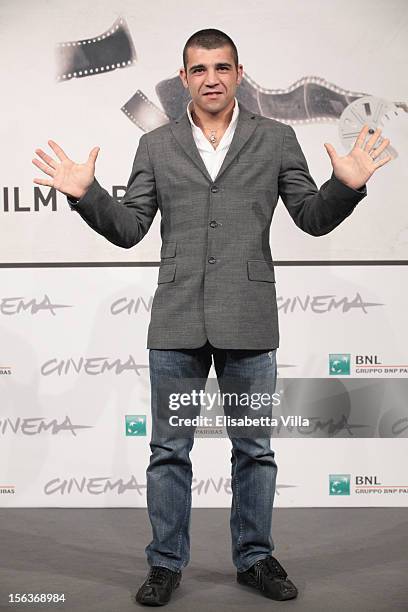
211,77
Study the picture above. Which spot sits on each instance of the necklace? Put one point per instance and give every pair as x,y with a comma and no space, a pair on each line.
213,132
213,137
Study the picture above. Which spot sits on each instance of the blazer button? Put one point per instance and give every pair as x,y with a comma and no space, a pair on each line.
213,224
214,189
211,260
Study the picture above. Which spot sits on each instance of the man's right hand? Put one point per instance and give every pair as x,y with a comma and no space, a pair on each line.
66,176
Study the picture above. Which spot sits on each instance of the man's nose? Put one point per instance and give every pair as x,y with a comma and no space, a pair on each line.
212,77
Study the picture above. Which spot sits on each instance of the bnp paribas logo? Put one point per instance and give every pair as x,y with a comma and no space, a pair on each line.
339,484
339,364
135,424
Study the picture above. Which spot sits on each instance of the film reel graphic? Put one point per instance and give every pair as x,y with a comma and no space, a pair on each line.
308,100
375,112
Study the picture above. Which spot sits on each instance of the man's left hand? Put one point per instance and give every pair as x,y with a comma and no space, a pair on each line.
356,168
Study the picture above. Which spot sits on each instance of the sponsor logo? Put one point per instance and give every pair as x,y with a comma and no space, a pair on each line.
371,485
7,490
339,484
339,364
373,364
135,424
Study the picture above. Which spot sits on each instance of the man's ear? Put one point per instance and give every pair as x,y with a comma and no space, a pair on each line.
240,73
182,75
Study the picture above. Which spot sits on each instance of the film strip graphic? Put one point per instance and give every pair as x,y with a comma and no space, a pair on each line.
310,99
143,113
103,53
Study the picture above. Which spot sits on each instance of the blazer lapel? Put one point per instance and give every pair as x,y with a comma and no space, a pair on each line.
245,127
183,133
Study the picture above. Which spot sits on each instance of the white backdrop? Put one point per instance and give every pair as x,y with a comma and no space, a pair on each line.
74,345
73,362
359,47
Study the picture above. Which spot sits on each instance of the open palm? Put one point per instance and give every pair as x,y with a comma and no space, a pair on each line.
66,176
359,165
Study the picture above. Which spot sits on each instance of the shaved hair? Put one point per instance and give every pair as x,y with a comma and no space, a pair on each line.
210,39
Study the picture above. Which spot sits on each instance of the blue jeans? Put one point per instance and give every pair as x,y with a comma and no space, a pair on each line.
169,474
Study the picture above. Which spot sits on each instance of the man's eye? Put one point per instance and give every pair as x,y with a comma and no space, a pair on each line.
198,70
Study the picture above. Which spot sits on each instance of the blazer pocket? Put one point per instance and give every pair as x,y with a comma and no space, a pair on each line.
261,270
167,273
168,249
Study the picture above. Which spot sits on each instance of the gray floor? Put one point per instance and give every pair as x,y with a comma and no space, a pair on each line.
338,558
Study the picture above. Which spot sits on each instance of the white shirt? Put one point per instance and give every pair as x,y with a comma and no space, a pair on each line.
211,157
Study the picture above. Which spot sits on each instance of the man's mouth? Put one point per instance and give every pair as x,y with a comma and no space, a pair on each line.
213,93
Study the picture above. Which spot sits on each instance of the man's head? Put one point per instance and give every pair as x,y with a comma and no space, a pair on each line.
211,70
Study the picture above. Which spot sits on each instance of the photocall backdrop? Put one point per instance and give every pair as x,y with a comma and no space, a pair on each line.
74,309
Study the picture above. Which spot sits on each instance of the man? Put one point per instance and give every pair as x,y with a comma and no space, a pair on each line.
216,175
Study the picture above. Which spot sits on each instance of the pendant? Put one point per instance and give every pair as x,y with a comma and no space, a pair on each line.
213,138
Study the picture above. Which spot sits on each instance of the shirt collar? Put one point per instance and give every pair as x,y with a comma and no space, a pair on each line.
234,117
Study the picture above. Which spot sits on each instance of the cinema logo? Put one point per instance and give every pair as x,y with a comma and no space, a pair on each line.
31,426
16,305
96,485
7,490
320,304
340,484
100,485
131,306
344,364
11,200
92,366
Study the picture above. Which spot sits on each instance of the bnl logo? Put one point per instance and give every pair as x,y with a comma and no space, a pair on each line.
339,484
339,364
135,424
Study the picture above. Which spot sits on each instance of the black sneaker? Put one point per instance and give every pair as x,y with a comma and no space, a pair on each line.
158,586
268,576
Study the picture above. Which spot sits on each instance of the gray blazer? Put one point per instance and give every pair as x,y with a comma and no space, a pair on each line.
216,278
